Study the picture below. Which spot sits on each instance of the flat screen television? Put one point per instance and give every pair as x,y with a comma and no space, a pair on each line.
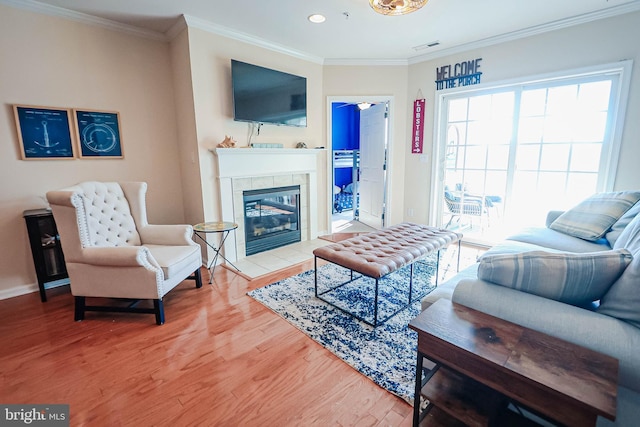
268,96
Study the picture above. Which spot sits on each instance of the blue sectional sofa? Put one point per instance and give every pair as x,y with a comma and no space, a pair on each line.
610,325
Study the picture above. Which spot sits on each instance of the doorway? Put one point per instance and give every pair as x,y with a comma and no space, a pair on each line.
359,146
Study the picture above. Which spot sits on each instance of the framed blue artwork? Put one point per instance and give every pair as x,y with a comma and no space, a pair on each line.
98,134
44,132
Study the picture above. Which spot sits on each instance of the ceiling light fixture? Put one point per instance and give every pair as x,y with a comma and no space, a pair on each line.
396,7
364,105
316,18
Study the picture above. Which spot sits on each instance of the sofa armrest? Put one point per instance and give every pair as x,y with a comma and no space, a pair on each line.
445,290
118,256
170,235
60,197
552,216
580,326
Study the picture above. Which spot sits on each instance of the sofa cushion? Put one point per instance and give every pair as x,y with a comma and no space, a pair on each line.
547,238
630,237
572,278
623,298
621,224
593,217
173,259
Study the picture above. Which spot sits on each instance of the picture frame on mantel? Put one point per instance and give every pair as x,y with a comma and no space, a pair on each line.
44,133
98,134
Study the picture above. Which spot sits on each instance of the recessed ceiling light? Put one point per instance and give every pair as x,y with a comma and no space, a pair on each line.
316,18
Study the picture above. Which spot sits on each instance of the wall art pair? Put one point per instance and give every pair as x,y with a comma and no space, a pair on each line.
49,133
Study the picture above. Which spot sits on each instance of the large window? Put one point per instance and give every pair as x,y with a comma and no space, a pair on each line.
509,154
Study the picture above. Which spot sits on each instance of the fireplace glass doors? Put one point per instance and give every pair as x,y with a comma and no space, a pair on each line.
271,218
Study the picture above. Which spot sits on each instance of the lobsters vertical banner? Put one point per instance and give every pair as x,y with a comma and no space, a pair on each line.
418,126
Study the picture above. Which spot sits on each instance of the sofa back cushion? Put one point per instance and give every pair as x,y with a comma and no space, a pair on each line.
593,217
104,216
572,278
546,238
618,227
622,301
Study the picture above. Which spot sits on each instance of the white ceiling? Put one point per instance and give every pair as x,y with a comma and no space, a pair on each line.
353,31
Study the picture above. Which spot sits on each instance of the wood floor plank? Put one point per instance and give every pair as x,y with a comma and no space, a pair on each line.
221,359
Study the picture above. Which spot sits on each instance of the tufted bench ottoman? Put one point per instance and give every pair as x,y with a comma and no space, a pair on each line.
382,252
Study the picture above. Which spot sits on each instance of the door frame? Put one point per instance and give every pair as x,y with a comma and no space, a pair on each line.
374,99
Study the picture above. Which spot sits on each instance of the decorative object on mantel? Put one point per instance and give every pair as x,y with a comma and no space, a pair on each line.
228,142
301,145
396,7
267,145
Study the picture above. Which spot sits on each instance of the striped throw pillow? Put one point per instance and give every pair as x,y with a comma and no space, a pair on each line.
593,217
572,278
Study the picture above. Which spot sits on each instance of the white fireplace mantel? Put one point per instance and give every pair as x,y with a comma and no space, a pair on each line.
264,165
246,162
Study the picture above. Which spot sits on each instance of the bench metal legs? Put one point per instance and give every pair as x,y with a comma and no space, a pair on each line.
375,322
376,296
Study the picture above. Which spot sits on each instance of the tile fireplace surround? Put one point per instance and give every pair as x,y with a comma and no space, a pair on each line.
241,169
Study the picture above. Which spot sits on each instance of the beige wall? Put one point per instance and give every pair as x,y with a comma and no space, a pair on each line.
186,122
211,76
51,61
175,104
380,81
599,42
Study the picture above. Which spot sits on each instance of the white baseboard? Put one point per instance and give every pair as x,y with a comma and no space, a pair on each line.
17,291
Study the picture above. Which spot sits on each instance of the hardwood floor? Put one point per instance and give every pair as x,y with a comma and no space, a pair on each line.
221,359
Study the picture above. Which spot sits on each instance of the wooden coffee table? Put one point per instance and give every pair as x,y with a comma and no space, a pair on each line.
478,355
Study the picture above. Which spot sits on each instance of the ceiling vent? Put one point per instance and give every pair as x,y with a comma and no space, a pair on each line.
426,46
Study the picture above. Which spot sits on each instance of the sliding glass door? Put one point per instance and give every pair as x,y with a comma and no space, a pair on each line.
479,134
562,131
509,154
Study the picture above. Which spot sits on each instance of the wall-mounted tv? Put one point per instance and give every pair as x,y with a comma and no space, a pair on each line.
268,96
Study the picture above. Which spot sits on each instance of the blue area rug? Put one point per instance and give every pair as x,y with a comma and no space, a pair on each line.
385,354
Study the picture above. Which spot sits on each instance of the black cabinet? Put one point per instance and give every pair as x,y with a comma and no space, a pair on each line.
48,258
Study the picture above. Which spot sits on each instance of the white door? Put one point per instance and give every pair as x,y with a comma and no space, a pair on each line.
373,150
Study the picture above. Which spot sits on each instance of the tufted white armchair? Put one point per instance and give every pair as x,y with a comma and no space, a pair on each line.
111,251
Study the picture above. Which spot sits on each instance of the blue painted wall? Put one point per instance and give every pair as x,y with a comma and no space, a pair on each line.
345,129
345,126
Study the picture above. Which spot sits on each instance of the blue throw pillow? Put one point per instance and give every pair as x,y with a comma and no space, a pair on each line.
572,278
593,217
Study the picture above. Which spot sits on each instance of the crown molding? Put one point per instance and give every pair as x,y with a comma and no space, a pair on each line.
531,31
190,21
246,38
34,6
179,26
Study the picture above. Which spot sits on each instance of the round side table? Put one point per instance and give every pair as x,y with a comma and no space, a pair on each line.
215,227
